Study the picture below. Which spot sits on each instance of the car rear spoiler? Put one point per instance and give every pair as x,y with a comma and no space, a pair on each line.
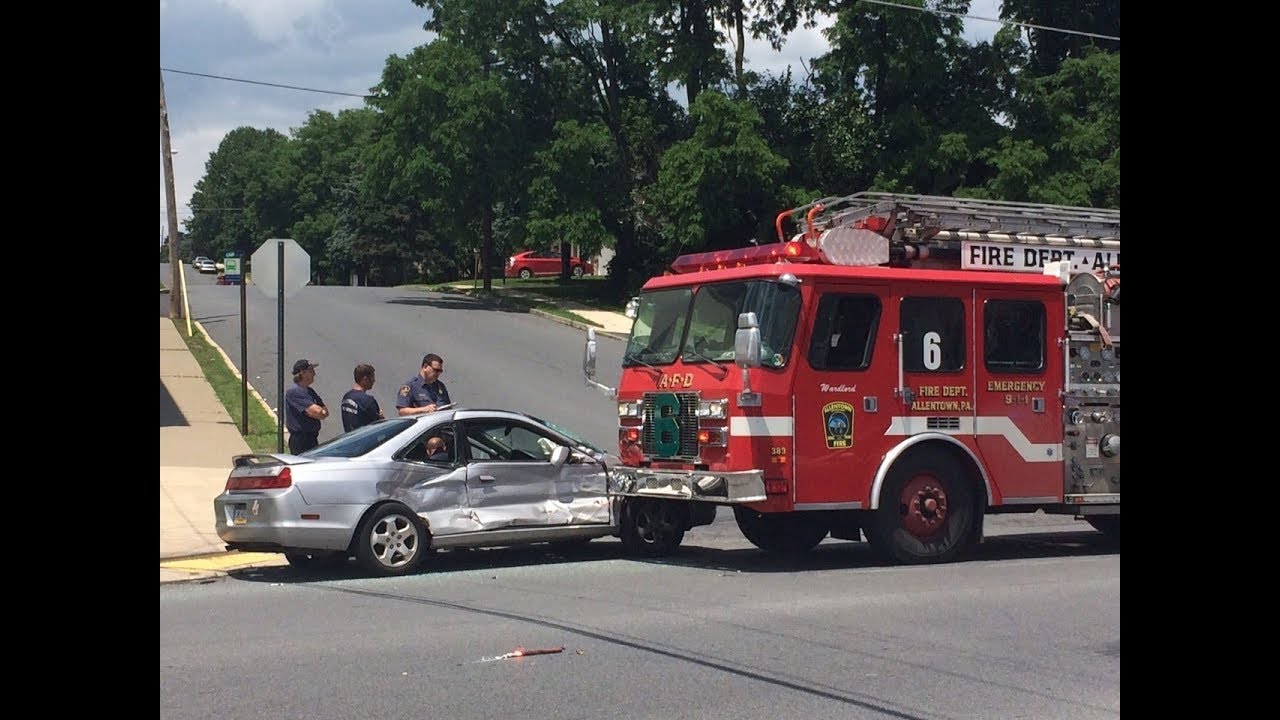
261,459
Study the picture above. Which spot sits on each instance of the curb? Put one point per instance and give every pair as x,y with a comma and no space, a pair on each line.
228,565
231,366
498,301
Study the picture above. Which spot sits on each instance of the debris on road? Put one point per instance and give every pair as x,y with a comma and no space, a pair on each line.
521,652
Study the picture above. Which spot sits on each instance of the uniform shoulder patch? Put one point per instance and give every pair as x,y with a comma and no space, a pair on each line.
404,391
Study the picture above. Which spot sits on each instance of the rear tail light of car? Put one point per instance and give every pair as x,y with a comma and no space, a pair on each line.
264,479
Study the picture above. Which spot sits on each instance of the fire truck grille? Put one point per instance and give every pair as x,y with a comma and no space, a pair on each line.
670,426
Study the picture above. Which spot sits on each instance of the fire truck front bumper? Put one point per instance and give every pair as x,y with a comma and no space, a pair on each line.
719,487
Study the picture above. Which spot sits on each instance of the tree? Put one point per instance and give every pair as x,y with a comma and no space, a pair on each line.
446,139
325,153
564,195
1065,147
246,195
719,188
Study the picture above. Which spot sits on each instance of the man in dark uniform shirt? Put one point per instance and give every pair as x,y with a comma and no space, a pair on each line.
424,392
303,409
359,407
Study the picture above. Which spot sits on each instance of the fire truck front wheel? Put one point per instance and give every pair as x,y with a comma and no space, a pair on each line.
651,528
780,533
928,512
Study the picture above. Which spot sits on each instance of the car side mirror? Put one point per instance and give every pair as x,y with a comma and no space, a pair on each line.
560,455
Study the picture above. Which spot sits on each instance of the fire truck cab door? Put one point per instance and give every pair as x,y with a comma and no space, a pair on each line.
844,382
936,392
1018,428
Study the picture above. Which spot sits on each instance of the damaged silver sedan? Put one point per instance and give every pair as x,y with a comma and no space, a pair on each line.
393,490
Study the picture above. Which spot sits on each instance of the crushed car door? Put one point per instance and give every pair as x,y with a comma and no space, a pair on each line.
581,491
510,478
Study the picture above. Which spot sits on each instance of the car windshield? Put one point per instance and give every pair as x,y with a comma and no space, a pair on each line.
714,320
571,435
659,326
361,441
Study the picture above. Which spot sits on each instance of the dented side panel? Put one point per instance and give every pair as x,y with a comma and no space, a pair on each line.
582,495
438,494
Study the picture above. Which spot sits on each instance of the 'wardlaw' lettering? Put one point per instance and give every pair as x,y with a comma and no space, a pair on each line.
1015,385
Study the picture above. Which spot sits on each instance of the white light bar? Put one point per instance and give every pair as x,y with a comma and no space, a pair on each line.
853,246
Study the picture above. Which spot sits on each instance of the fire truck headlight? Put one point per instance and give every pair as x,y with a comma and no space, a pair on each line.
713,409
628,409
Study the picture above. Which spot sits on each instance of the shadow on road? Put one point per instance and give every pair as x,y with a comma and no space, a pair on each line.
830,555
215,319
453,303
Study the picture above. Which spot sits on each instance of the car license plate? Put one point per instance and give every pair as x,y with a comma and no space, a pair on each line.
239,514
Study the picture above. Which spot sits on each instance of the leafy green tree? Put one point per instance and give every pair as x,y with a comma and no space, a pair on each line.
246,195
447,139
1065,146
326,152
564,196
719,188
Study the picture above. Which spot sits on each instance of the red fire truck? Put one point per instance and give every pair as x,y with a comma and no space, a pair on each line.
901,367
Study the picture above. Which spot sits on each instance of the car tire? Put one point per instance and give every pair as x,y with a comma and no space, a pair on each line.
525,273
578,271
650,528
391,541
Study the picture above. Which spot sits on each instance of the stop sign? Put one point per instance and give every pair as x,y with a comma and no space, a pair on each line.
266,266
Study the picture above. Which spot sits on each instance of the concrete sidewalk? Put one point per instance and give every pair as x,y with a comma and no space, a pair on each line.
197,441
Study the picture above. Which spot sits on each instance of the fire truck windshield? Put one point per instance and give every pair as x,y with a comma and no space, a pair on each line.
714,320
659,326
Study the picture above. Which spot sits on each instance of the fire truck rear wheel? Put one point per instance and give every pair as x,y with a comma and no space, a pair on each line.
651,528
927,510
780,533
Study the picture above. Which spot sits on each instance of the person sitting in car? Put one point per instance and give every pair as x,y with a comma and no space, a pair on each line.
436,450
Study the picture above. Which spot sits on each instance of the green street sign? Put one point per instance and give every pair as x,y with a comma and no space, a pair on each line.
231,266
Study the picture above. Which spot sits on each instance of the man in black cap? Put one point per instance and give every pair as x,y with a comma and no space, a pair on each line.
303,409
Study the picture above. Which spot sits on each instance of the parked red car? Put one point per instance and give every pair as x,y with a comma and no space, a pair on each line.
543,262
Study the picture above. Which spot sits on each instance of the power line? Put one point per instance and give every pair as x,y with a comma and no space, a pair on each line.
259,82
994,20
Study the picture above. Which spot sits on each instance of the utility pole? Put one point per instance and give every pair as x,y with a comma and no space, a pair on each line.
175,287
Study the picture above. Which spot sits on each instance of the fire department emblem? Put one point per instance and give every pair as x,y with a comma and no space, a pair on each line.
837,419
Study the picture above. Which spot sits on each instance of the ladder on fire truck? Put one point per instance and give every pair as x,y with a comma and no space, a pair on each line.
944,222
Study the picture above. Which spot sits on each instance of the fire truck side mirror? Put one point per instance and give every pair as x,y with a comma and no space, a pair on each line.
589,355
746,341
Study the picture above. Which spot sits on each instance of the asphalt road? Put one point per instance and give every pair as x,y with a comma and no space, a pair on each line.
492,358
1030,628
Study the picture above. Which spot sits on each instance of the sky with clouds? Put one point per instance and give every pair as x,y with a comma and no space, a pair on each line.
337,45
